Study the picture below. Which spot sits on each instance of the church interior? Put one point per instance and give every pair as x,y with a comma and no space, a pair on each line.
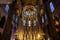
29,19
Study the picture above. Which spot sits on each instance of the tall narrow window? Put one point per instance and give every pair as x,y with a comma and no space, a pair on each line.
42,19
51,7
7,8
45,16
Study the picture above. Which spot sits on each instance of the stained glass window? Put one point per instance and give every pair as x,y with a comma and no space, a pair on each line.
7,8
45,16
42,19
51,7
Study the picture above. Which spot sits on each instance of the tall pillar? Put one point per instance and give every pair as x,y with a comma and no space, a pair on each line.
51,26
8,25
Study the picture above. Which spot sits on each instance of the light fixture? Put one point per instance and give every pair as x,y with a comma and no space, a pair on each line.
40,36
42,11
56,23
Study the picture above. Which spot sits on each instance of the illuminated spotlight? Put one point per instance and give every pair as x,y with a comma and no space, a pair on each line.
40,35
56,23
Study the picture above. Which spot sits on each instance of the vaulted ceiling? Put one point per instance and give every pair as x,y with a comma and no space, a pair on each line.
24,1
5,1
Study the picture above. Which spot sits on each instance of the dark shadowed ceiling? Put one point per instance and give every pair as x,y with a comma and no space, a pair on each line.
24,1
5,1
